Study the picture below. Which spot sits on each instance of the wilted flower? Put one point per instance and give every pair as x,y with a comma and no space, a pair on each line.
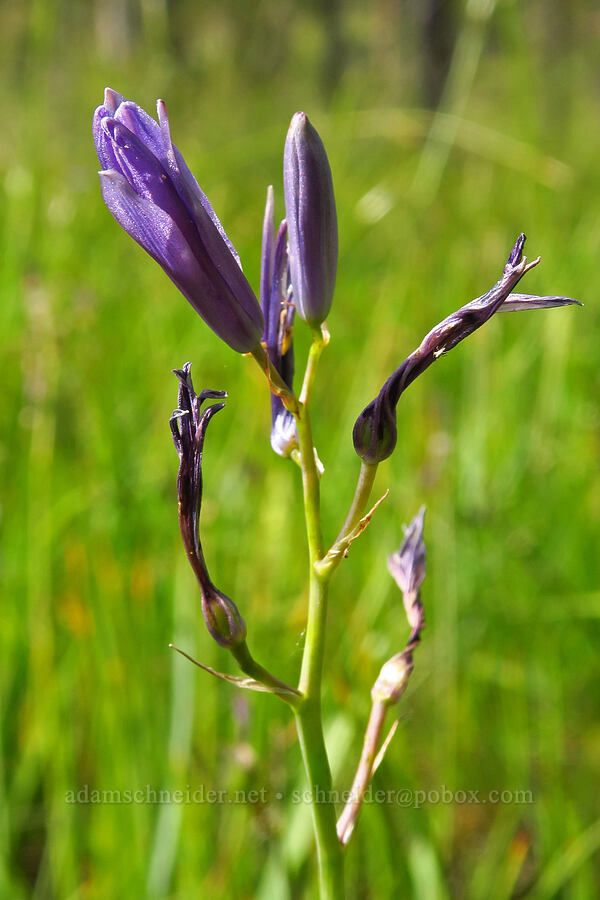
375,429
152,194
311,219
278,309
188,425
407,566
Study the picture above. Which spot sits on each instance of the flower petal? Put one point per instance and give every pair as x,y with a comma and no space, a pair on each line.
145,173
266,258
152,227
186,185
112,100
517,302
284,437
157,232
145,128
278,298
107,110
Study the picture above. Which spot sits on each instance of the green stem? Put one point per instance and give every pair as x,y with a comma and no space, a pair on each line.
308,712
314,754
347,820
248,664
314,355
360,499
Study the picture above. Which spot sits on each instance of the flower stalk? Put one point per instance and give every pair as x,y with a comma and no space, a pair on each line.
308,713
407,566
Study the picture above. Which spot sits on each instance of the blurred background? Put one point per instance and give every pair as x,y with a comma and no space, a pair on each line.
450,128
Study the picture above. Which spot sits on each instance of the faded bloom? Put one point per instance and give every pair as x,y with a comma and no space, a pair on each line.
311,219
152,194
278,309
375,429
188,425
407,566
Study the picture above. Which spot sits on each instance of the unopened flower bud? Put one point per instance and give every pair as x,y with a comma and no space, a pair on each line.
311,219
152,194
278,308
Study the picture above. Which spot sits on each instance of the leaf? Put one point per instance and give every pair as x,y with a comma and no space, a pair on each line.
244,682
383,749
340,548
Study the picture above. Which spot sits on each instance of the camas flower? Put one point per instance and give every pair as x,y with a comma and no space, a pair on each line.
152,194
375,429
278,309
311,220
188,426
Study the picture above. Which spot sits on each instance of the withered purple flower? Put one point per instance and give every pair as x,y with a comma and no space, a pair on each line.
311,219
188,426
375,432
278,309
152,194
407,566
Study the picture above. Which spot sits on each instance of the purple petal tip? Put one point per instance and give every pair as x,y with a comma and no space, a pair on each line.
517,251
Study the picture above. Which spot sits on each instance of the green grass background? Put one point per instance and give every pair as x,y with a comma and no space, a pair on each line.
500,440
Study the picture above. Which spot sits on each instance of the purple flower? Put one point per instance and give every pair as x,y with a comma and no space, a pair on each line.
278,308
311,219
188,426
375,429
152,194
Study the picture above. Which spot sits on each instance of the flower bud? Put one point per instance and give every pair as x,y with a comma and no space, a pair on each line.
311,220
152,194
278,309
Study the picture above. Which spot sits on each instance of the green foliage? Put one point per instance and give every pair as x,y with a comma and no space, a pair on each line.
500,440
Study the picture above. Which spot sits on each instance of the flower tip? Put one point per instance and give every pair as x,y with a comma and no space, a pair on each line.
112,100
269,217
516,253
109,174
419,520
300,126
161,111
183,373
